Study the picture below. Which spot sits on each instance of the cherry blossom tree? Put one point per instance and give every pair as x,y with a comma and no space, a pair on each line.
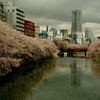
95,46
76,47
64,46
17,49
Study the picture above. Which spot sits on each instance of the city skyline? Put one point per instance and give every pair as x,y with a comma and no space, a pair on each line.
58,14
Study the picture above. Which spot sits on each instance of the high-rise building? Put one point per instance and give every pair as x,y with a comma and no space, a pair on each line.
37,30
76,21
54,30
63,31
2,13
18,16
89,34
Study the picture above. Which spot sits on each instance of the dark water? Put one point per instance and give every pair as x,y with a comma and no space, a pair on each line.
54,79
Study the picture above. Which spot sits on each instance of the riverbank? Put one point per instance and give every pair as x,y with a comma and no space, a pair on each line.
16,49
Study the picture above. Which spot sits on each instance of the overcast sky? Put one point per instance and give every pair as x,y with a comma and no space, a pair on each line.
58,13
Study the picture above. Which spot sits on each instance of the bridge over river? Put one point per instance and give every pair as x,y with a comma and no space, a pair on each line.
74,53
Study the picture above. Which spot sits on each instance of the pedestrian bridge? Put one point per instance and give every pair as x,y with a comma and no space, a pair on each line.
74,53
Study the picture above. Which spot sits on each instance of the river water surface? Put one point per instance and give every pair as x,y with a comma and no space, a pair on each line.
62,78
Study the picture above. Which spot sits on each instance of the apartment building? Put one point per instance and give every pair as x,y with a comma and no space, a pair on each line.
9,18
2,13
29,28
18,16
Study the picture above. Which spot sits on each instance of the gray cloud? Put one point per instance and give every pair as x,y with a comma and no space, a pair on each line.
59,12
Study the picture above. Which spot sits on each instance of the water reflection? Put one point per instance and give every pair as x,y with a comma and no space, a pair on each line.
21,85
95,68
75,74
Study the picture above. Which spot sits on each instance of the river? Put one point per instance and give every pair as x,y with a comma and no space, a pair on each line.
62,78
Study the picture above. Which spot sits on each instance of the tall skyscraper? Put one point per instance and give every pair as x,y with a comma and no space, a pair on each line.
89,34
87,31
76,21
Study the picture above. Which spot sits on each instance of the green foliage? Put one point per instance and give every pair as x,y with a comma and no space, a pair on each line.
62,45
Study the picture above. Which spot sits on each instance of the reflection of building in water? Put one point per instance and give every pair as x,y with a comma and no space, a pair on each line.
75,75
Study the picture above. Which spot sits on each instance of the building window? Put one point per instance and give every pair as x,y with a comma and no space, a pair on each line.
74,17
13,10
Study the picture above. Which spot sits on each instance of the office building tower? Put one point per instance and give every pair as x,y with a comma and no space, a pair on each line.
54,30
76,21
63,31
87,31
89,34
18,16
2,13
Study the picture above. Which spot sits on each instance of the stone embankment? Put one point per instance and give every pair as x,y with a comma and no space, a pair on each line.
17,49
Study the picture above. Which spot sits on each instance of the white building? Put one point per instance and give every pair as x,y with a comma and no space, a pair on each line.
80,38
8,18
59,37
18,16
37,30
89,33
50,35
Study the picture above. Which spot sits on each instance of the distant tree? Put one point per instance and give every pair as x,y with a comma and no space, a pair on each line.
62,45
95,48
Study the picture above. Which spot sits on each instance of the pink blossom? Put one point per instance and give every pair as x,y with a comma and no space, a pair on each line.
76,47
15,47
95,46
